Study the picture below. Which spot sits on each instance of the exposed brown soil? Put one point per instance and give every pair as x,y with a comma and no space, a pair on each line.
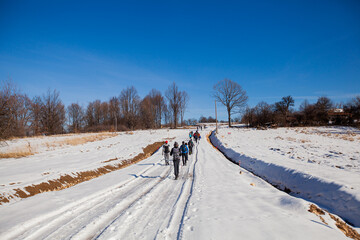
110,160
67,181
345,228
314,209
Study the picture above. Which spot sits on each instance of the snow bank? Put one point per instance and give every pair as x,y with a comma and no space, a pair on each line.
328,194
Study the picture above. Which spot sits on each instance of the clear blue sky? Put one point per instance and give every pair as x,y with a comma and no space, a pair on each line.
92,50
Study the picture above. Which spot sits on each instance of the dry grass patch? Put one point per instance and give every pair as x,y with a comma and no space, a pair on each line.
81,140
345,228
18,153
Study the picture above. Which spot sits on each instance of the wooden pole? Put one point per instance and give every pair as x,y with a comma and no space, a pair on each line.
216,118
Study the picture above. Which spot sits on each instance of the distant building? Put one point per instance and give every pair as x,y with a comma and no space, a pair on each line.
338,116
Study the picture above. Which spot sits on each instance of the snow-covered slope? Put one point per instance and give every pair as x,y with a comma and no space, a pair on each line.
318,164
210,200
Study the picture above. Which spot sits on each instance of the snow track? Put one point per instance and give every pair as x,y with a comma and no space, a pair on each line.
125,210
210,200
95,211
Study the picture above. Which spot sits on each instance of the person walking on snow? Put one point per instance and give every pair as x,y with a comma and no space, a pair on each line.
166,152
175,152
197,136
184,153
190,134
191,145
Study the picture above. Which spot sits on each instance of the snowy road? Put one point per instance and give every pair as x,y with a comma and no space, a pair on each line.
210,200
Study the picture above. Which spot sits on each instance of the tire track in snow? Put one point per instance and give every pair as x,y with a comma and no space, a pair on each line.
179,208
93,222
180,231
51,222
167,201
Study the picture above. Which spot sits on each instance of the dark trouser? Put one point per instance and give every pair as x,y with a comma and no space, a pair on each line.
190,150
176,167
184,157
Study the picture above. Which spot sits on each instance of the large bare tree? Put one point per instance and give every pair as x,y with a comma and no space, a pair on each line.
174,97
231,95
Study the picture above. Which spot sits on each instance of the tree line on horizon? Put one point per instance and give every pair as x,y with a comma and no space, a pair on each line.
46,115
321,113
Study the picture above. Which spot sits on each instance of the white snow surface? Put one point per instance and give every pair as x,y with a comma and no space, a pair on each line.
320,164
210,200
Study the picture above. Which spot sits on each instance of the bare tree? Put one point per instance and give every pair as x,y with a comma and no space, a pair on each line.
183,105
90,116
231,95
52,113
166,114
283,107
8,93
114,111
174,97
158,102
147,112
322,106
129,103
14,111
35,109
75,116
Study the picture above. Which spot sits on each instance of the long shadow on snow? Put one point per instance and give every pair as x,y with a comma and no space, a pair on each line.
328,195
142,176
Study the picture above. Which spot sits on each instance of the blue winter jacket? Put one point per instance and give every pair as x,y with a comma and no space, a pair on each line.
184,149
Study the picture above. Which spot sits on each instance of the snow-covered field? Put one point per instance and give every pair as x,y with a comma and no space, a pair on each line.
319,164
53,158
210,200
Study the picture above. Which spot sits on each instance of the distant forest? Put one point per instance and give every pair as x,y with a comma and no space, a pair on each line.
323,112
46,115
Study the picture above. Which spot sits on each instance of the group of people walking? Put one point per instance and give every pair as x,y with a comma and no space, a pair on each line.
183,151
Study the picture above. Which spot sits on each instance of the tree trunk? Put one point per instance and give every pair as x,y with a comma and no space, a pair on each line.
229,117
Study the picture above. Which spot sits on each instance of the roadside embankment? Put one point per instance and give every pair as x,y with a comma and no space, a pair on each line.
329,195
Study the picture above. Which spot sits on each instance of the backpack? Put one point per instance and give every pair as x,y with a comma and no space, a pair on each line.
183,148
175,152
166,149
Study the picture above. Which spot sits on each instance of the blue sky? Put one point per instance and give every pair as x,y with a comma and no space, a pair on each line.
90,50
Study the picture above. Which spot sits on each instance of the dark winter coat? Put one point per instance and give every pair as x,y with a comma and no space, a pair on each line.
175,152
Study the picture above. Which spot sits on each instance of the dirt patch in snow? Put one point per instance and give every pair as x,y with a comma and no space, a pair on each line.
67,181
345,228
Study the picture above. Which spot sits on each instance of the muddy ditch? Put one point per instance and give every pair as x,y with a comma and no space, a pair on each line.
66,181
